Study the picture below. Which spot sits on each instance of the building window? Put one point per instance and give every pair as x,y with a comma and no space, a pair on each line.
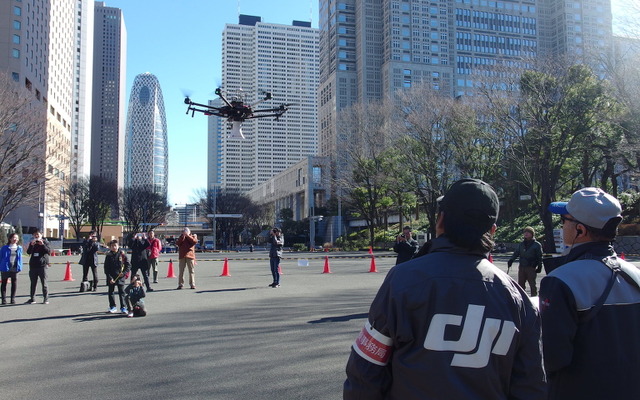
17,10
17,25
16,39
15,53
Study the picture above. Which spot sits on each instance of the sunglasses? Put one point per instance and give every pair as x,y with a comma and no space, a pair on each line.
564,219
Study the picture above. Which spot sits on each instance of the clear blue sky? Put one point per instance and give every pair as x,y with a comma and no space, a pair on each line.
179,42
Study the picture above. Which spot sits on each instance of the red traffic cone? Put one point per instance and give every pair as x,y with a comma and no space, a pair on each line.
225,267
622,256
490,257
68,252
327,269
370,250
170,273
373,265
53,253
67,274
279,269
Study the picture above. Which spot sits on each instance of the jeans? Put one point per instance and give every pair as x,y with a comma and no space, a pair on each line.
112,300
14,284
34,274
275,262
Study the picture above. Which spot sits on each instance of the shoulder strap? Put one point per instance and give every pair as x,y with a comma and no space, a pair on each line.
612,263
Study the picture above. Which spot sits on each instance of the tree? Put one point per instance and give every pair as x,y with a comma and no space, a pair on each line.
78,210
551,123
22,146
103,195
366,131
142,207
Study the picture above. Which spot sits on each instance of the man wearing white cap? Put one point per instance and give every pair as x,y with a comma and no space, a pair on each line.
590,306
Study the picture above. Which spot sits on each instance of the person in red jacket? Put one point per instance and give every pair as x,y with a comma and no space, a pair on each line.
186,257
155,246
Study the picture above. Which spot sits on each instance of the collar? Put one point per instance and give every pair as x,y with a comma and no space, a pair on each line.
443,244
590,250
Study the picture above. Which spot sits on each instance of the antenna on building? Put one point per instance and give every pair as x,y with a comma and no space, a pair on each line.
238,10
311,12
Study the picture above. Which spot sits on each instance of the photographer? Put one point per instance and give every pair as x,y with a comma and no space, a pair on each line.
138,245
89,258
275,254
186,257
405,246
38,264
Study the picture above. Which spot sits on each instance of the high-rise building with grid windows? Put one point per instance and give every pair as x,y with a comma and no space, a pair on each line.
146,152
260,57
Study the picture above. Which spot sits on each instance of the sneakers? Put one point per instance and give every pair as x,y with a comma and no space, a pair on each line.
46,301
275,285
113,310
124,310
130,315
30,301
193,286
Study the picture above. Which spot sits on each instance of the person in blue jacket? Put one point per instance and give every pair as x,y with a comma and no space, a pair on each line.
10,265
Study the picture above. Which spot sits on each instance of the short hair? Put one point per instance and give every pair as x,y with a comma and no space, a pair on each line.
151,230
114,241
10,236
408,228
276,229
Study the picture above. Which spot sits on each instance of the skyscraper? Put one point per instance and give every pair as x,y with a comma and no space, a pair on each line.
283,60
107,125
146,153
37,48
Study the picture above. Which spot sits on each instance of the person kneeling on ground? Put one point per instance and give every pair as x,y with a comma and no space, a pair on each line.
134,294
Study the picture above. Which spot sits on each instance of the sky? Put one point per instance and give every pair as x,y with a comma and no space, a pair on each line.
180,43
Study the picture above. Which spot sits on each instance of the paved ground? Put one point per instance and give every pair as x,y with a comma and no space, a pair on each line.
231,338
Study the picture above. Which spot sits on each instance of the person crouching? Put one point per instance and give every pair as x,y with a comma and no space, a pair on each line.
134,294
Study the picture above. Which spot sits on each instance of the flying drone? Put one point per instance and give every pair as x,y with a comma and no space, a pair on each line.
235,111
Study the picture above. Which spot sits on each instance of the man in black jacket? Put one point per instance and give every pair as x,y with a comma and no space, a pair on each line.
529,252
89,259
449,324
116,267
138,246
590,306
405,246
38,264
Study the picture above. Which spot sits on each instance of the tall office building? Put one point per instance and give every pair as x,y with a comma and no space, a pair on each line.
371,48
580,30
283,60
37,50
108,118
82,91
146,152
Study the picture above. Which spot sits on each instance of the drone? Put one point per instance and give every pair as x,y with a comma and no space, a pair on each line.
236,112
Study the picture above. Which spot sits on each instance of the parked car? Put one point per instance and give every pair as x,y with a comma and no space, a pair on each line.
169,249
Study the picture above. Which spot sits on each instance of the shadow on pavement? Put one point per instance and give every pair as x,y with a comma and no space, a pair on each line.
342,318
75,317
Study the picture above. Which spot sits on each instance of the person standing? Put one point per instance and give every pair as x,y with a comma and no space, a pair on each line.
89,258
154,249
138,245
116,267
405,246
450,324
10,266
590,306
38,265
275,254
530,253
186,256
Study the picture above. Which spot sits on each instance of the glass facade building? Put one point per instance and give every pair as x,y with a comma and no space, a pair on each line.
146,152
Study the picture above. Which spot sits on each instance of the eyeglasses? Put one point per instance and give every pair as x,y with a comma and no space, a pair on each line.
564,219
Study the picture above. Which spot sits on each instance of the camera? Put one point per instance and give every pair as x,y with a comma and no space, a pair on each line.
402,235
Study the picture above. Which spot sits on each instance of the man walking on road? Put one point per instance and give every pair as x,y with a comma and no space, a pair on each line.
590,306
530,253
450,324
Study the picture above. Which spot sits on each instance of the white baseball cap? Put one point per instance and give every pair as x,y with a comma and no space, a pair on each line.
592,207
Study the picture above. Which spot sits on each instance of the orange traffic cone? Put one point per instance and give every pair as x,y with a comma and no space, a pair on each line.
68,252
370,250
67,274
225,267
53,253
279,269
327,269
622,255
373,265
490,257
170,273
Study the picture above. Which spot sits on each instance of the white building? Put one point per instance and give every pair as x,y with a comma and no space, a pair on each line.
282,60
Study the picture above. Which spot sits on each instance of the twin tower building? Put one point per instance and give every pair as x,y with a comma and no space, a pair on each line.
146,160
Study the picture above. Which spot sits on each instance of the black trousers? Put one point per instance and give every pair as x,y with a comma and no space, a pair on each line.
143,266
5,275
112,286
35,274
85,274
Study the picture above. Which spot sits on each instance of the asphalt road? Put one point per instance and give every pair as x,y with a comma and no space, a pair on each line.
231,338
